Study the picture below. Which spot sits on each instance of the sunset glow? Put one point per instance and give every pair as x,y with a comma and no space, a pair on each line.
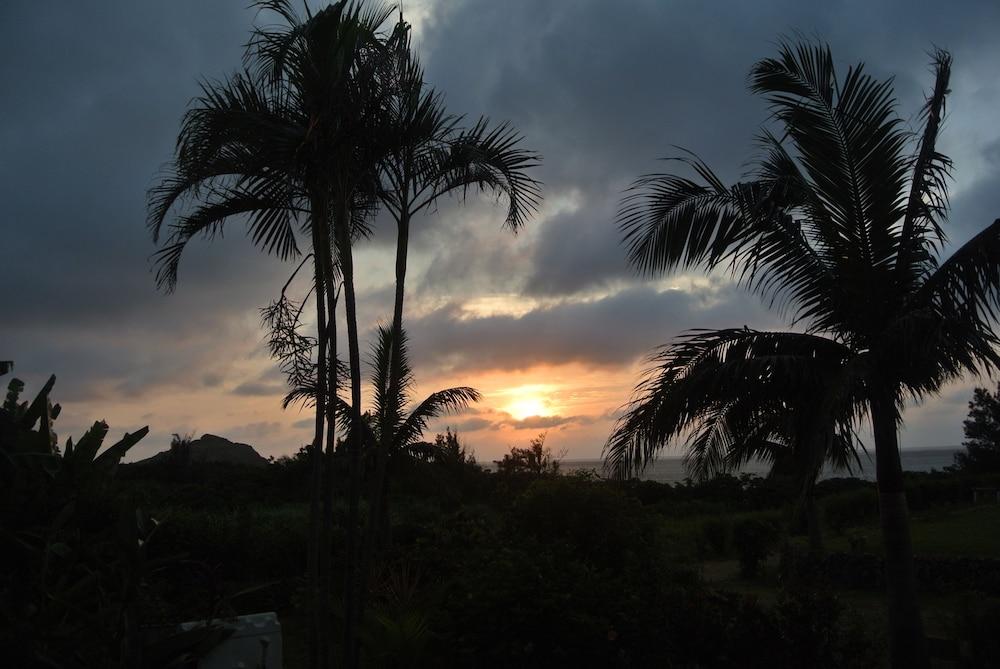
527,406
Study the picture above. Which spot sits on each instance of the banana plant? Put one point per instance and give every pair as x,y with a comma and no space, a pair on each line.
72,557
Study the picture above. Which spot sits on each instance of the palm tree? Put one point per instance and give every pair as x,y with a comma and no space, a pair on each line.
277,145
737,395
431,157
840,225
392,431
397,423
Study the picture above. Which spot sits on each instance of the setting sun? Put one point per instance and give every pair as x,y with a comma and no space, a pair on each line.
534,399
526,406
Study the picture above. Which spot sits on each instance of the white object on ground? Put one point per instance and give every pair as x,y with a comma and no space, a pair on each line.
254,644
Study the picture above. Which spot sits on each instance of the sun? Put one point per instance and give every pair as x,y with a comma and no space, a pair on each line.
527,405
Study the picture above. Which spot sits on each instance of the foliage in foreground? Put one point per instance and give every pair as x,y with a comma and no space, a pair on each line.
72,552
490,570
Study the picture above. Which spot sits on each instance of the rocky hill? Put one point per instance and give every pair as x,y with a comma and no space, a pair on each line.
213,448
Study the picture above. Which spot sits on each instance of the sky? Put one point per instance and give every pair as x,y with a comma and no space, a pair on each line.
551,325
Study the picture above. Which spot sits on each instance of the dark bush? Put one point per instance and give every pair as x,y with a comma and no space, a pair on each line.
589,518
816,634
854,507
753,539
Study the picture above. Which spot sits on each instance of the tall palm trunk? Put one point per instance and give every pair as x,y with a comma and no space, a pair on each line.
907,645
319,613
330,381
352,583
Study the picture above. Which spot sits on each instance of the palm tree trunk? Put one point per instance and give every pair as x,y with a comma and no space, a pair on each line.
316,538
907,645
353,585
331,441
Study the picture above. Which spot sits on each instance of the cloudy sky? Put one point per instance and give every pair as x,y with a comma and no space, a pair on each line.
551,325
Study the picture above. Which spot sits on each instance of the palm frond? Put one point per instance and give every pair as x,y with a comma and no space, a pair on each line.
436,404
705,373
267,208
670,222
850,142
385,405
921,234
486,157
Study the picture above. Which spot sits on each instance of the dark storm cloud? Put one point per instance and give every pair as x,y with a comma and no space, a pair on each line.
578,250
975,207
100,91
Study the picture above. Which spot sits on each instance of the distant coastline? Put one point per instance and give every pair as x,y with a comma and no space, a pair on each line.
670,468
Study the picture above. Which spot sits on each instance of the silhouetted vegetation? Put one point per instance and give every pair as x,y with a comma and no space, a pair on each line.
486,569
982,434
536,459
491,569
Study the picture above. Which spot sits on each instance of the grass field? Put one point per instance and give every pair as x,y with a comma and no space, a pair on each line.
972,531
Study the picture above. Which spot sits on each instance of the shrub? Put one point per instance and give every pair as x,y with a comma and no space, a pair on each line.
590,518
842,510
815,635
73,553
753,539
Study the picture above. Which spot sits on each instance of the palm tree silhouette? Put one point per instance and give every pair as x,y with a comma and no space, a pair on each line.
840,226
397,423
289,144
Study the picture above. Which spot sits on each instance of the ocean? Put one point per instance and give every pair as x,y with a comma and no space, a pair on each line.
670,469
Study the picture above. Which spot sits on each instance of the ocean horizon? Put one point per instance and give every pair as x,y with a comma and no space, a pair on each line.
670,468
